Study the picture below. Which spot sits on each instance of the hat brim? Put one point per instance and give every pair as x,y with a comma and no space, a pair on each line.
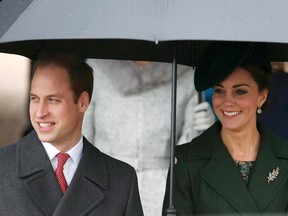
220,59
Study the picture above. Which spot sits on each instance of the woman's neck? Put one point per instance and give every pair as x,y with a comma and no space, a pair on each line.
242,145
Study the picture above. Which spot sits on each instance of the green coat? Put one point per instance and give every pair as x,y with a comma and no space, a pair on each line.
207,180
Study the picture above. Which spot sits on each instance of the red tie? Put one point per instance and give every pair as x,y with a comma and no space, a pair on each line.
62,158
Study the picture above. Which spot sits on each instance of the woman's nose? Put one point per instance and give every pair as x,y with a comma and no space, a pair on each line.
229,100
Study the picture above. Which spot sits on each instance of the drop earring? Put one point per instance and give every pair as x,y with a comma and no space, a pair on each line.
259,110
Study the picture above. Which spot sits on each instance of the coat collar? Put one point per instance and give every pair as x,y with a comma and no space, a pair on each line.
208,148
38,176
85,189
255,196
271,151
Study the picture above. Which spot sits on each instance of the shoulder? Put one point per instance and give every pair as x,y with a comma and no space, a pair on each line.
7,153
278,145
117,165
10,150
9,156
94,155
202,146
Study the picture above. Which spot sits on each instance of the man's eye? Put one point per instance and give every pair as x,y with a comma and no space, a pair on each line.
33,98
53,100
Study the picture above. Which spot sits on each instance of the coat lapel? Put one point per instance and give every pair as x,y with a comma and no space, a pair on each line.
86,189
35,169
228,184
258,194
264,192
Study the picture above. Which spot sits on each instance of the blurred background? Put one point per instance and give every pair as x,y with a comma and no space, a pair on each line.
14,85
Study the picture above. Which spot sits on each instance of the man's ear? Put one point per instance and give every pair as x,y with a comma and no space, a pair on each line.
83,101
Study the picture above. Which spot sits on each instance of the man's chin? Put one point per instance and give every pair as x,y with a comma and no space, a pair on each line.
44,138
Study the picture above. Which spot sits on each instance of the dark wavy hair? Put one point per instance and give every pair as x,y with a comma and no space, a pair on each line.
260,76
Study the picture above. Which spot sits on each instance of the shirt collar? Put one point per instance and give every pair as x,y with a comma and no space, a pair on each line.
75,153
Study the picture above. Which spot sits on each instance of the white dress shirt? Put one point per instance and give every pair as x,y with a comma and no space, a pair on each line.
71,164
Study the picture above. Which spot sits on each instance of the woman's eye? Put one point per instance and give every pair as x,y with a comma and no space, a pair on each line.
219,91
241,92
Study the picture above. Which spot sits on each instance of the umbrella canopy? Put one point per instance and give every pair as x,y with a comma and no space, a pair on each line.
144,20
155,30
137,29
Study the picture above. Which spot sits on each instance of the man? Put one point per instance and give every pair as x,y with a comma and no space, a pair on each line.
61,90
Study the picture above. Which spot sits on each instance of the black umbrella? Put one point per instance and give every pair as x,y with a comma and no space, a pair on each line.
167,31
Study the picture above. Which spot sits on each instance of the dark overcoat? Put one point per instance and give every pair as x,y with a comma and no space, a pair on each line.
207,180
101,185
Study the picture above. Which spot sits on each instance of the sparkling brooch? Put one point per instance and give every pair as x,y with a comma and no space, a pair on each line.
273,175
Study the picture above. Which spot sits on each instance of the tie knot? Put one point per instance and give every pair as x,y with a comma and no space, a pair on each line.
62,158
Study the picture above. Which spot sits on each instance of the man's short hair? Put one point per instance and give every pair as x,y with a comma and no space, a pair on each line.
80,73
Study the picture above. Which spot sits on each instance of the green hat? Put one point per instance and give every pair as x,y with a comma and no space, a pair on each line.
220,59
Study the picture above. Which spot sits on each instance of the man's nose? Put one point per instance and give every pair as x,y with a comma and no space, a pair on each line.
42,110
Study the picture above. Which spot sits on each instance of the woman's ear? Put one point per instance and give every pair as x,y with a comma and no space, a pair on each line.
263,97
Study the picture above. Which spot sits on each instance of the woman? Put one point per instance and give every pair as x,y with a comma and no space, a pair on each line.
236,166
